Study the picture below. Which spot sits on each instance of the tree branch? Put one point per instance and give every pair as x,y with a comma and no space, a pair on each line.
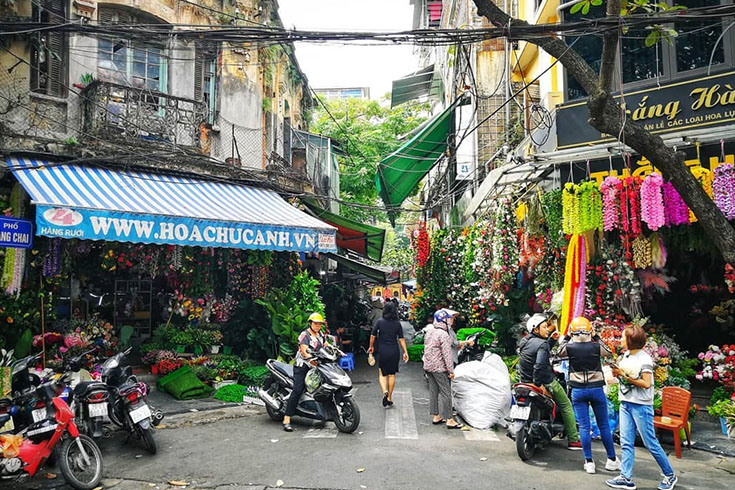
609,49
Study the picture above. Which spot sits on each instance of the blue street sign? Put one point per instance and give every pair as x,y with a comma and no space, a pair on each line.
16,233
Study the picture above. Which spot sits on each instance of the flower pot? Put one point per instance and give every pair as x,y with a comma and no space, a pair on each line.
683,434
198,350
180,349
214,349
723,425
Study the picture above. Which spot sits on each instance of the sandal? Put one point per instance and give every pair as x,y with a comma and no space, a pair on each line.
385,399
287,427
455,426
437,422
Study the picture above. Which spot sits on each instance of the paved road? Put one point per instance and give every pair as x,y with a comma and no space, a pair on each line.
396,448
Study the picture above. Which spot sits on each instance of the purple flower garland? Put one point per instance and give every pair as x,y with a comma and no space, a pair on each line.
676,212
724,189
652,202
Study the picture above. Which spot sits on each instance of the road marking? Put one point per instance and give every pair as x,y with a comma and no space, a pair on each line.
400,420
481,435
321,430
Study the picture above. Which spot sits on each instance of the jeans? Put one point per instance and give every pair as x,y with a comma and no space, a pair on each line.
582,398
567,412
440,394
299,385
635,416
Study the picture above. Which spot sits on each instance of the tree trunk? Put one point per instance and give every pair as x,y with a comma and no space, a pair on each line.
605,116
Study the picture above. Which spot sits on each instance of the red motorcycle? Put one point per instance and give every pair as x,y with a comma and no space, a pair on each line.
79,457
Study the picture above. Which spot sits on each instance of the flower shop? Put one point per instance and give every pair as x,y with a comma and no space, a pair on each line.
616,250
217,297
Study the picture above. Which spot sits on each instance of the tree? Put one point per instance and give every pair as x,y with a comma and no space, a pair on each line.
367,132
604,112
398,253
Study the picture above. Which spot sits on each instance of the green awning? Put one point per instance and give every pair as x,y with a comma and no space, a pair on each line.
400,172
365,272
423,83
352,235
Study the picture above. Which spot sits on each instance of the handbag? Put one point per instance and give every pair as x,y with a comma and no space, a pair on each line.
371,360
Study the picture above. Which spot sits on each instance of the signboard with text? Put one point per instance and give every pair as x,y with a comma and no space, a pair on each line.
16,233
698,103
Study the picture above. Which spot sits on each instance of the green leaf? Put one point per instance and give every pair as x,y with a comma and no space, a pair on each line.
652,38
577,7
596,3
585,8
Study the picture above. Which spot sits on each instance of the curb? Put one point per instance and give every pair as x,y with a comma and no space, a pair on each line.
188,419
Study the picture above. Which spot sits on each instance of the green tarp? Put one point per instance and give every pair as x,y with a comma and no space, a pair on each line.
365,272
423,83
183,384
352,235
400,172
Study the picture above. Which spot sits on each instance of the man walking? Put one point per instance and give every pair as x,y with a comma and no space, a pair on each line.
535,368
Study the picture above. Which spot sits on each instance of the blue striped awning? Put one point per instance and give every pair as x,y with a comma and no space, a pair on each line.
87,202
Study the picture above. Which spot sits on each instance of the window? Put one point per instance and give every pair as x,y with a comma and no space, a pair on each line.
133,64
689,53
48,50
205,82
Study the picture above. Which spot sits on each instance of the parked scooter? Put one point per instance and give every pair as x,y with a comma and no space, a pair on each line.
128,405
328,398
79,457
535,418
26,408
87,398
473,352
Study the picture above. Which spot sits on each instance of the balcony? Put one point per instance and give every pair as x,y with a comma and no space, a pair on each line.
114,112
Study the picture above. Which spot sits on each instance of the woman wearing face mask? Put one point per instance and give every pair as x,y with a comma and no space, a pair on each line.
310,339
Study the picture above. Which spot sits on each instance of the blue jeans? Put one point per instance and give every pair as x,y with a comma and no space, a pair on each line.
635,416
582,399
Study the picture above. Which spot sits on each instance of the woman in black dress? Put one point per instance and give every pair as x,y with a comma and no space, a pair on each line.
389,332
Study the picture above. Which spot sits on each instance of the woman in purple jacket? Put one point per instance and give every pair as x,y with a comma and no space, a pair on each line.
439,368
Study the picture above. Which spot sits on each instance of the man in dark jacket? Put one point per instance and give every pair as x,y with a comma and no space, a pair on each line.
534,366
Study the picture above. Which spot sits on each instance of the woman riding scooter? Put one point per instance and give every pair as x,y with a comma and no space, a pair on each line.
311,338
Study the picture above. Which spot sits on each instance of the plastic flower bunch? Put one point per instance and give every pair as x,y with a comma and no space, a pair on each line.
718,364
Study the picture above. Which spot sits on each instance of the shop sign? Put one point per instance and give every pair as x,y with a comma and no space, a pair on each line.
706,156
16,233
92,224
698,103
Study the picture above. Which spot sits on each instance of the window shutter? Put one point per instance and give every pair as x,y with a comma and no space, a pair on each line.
105,15
199,75
56,65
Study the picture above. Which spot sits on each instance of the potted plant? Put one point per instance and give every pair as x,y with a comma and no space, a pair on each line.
182,339
722,409
215,341
84,80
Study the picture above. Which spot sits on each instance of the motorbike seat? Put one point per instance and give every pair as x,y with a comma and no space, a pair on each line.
531,387
4,419
286,369
82,387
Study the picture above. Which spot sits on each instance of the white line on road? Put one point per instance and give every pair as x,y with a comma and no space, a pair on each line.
481,435
400,421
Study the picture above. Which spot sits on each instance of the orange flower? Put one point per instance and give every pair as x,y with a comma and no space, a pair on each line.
10,319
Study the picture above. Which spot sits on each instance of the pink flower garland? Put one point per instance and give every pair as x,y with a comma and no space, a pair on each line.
676,210
652,202
724,189
610,189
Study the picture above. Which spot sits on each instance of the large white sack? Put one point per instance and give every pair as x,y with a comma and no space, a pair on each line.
481,391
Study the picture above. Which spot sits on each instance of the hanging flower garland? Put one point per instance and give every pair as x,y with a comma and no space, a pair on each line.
630,206
504,250
17,202
723,189
590,204
652,202
706,179
574,277
551,204
658,251
642,252
421,243
570,209
51,265
611,190
676,211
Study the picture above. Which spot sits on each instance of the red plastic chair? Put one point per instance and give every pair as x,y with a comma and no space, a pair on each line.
675,404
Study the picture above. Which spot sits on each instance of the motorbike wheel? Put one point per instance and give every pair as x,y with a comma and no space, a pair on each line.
347,418
76,472
275,415
146,435
524,446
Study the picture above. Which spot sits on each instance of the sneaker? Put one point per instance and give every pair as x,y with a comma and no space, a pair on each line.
668,482
612,465
621,482
589,467
574,446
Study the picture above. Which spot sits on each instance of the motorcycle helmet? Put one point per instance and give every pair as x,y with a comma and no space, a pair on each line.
580,326
316,317
444,313
535,321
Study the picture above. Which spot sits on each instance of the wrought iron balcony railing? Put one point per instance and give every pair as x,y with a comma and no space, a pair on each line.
113,111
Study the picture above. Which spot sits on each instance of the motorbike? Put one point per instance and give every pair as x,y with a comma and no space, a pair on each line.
128,406
326,398
535,418
79,457
473,352
26,407
87,398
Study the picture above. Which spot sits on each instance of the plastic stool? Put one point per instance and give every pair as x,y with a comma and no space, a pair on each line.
347,362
